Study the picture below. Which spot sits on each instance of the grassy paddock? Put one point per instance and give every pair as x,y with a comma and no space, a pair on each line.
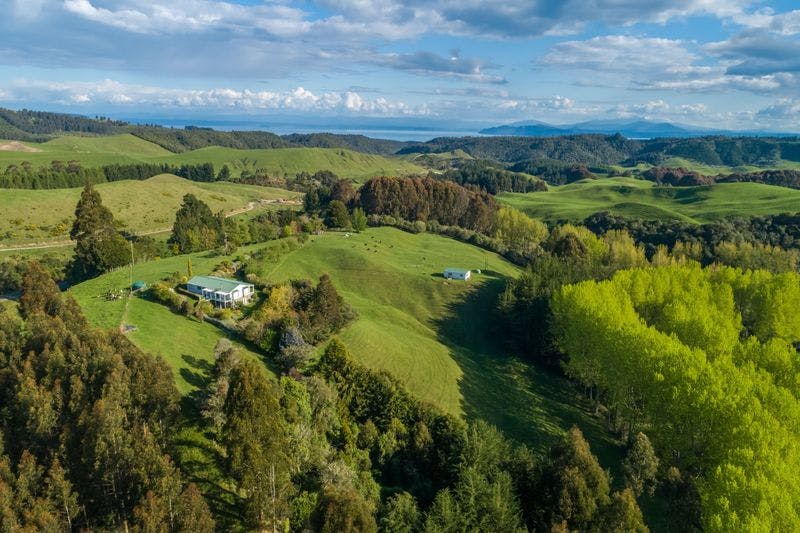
99,151
32,216
90,151
438,335
643,199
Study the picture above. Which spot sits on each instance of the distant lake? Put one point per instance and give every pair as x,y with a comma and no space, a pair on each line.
399,133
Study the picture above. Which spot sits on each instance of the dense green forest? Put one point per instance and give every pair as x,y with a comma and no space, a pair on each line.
358,143
596,150
27,125
185,139
485,175
683,177
312,450
705,362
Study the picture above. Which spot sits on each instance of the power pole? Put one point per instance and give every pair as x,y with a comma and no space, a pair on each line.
130,285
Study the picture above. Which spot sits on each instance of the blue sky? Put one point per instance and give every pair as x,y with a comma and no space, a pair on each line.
723,63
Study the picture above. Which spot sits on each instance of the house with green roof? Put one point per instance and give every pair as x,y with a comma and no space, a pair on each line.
457,273
221,292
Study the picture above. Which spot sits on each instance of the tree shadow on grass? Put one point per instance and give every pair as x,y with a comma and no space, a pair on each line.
198,375
196,452
204,464
528,403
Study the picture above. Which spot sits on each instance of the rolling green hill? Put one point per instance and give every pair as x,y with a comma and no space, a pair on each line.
290,161
437,335
434,335
642,199
90,151
126,148
142,206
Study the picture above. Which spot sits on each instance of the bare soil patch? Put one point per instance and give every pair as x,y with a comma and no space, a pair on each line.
16,146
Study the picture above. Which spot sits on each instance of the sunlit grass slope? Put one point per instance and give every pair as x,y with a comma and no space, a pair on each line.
98,151
33,215
438,336
643,199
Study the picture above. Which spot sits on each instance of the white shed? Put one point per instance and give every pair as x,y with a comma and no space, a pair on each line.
457,273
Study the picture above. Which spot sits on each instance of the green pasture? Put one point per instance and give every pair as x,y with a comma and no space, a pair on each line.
438,336
99,151
643,199
32,216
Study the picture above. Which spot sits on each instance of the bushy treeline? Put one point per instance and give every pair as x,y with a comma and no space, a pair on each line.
357,143
705,361
600,150
720,150
183,140
13,268
60,175
485,175
453,477
570,254
572,149
554,172
196,228
782,178
679,177
428,199
307,182
45,123
203,172
781,231
293,317
683,177
86,425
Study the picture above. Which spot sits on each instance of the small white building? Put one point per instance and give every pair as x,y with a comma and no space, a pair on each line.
221,292
457,273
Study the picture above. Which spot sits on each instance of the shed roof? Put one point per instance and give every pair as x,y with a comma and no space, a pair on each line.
215,283
456,270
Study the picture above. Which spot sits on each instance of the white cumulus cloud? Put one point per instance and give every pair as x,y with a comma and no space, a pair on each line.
111,92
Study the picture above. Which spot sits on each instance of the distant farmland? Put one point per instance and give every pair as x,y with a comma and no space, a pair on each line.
121,149
142,206
642,199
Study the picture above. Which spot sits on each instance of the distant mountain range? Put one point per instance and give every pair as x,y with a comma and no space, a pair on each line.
632,129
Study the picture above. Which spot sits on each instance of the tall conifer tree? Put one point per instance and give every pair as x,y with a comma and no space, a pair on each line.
98,245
